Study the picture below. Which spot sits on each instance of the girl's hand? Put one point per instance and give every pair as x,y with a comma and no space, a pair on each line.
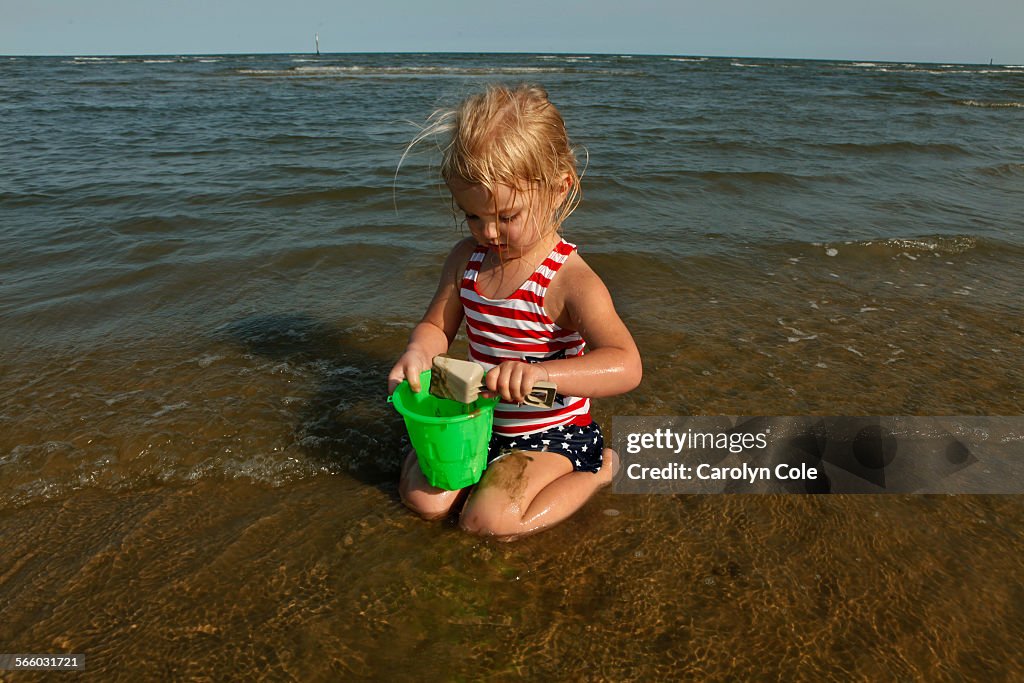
409,367
513,380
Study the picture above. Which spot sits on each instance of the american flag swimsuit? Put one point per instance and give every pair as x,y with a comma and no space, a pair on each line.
518,328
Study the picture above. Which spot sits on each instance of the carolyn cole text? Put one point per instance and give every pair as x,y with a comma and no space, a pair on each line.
735,442
704,471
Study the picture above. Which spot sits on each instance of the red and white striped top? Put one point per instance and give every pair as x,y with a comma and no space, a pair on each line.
518,328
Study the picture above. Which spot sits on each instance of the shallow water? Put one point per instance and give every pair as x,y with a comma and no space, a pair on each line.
207,267
330,576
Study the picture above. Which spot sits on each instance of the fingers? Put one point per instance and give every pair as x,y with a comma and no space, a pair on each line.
512,380
395,379
414,380
409,368
396,376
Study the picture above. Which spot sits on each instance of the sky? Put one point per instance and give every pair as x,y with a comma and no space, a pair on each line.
944,31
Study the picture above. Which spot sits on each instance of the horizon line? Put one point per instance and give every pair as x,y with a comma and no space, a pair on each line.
498,52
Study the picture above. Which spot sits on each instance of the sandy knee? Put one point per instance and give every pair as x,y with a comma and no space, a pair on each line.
486,523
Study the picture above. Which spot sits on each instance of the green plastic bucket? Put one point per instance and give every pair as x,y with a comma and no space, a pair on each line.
450,438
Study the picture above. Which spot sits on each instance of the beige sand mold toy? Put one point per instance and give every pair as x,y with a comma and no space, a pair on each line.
463,380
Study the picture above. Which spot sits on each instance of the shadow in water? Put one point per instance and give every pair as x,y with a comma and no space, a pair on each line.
347,426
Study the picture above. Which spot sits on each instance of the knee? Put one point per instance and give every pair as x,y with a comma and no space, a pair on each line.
480,521
609,466
425,509
423,504
474,523
425,501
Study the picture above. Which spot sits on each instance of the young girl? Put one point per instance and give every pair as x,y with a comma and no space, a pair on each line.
531,306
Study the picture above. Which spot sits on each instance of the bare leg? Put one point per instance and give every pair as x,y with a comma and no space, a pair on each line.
528,491
429,502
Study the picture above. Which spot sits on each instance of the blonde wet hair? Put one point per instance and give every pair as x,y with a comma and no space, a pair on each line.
512,136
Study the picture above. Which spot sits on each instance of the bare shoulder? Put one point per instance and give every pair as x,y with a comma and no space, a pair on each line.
457,258
580,279
462,249
576,287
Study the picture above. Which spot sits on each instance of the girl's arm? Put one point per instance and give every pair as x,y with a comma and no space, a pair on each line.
611,364
439,325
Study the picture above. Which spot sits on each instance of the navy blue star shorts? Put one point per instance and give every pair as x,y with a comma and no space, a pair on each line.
582,445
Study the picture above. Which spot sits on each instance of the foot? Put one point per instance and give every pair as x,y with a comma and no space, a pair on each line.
609,466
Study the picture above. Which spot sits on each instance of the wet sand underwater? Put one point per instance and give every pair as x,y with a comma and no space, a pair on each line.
226,507
331,578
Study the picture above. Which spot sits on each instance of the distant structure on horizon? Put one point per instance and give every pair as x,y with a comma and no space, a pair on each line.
317,38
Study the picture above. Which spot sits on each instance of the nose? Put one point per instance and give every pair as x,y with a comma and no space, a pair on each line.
489,230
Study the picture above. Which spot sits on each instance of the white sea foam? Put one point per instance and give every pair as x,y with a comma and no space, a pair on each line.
208,359
935,245
565,58
336,69
991,105
905,69
329,71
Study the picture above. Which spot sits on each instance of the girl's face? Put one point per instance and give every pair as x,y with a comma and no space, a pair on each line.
511,220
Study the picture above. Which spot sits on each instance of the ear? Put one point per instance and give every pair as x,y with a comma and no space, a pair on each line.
563,190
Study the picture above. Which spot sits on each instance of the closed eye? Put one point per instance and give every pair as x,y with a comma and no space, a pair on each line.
503,219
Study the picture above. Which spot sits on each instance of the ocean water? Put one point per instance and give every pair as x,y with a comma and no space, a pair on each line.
209,263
